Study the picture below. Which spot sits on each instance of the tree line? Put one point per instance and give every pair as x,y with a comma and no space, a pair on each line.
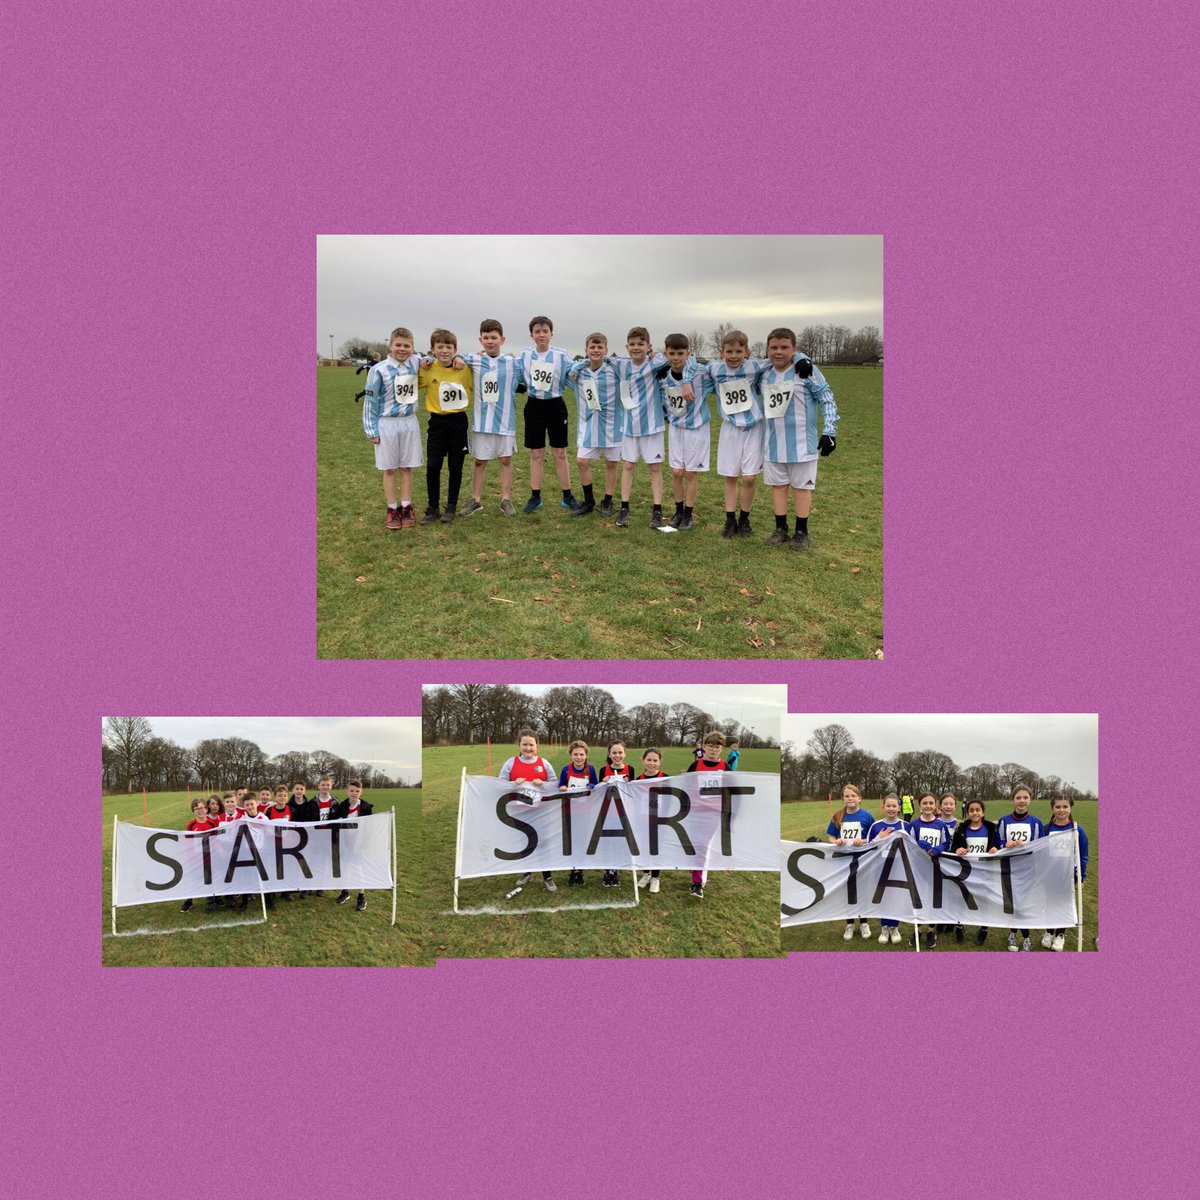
830,759
134,757
837,344
468,713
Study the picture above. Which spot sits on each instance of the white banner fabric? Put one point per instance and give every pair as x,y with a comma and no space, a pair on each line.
251,856
1027,887
704,820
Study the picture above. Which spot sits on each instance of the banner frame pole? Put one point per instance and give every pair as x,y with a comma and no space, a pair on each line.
917,936
113,890
637,899
1078,884
462,785
394,880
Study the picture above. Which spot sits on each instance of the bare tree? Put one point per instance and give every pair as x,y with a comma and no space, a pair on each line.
125,736
830,745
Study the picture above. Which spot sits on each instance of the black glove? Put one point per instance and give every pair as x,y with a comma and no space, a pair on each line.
661,372
522,388
360,395
804,369
827,445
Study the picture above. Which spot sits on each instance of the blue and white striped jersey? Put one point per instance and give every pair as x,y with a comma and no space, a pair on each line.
496,382
790,407
544,373
641,397
737,396
600,426
685,414
391,392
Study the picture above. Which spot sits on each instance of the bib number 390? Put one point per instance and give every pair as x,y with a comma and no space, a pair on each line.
490,387
735,396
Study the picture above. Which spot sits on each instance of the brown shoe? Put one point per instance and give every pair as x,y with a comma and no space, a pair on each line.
393,518
778,537
408,518
448,516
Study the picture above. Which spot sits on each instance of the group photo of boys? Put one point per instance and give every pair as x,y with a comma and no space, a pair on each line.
977,798
562,428
219,832
567,775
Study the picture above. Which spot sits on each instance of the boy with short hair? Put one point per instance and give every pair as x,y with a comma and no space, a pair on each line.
598,421
710,760
740,444
497,378
200,823
390,421
642,431
348,810
685,394
545,368
793,391
448,392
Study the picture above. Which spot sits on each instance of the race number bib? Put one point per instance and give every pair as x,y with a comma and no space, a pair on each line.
589,393
777,398
577,785
489,389
404,389
675,401
452,397
541,376
735,395
627,400
1019,833
977,845
851,830
931,837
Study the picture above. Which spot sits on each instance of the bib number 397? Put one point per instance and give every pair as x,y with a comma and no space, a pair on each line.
735,396
777,397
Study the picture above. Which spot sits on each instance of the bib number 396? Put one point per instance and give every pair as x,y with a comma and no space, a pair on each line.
542,375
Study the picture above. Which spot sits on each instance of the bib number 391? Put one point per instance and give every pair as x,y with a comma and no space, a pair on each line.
735,395
452,397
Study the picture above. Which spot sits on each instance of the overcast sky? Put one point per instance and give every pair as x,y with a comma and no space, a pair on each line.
757,706
390,744
368,285
1063,744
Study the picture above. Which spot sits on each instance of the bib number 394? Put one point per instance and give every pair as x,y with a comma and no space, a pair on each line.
735,395
404,389
452,397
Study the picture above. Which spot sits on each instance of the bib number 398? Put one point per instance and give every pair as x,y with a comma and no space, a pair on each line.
735,396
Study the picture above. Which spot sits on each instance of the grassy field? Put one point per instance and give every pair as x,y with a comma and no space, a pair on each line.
738,917
803,820
551,586
313,932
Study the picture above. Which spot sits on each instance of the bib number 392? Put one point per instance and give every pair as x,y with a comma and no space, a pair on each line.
675,401
735,395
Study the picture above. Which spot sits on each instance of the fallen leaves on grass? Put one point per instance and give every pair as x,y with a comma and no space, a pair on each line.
756,642
360,579
878,653
855,570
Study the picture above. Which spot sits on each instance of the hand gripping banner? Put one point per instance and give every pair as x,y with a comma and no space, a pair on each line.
1028,887
706,821
240,857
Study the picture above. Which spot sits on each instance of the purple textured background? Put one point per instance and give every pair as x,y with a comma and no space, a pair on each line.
164,180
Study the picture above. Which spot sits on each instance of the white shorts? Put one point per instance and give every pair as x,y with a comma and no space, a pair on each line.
689,448
648,447
801,475
399,443
494,445
608,453
739,451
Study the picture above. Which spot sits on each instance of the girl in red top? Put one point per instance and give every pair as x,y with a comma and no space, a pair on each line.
615,767
529,767
651,769
714,743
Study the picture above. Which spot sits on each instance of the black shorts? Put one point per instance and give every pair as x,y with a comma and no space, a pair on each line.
545,418
446,436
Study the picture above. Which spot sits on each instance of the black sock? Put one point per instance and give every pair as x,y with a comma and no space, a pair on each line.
801,524
624,505
679,506
535,494
658,509
687,512
743,516
589,497
730,517
567,494
607,498
781,522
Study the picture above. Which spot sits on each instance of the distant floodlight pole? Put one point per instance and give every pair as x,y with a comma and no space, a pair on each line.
331,347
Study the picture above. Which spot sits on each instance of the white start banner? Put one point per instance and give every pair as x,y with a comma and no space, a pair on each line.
250,857
704,820
1026,887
